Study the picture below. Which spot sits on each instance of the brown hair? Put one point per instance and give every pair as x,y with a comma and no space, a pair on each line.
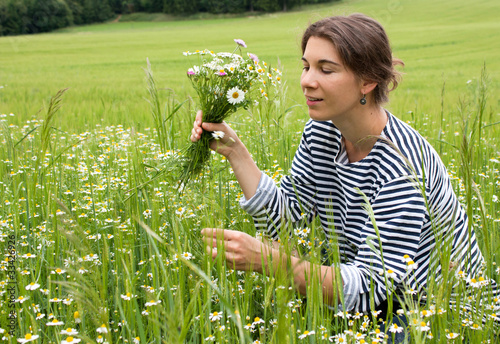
363,47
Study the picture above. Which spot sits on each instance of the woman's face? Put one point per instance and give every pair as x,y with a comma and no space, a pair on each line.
331,90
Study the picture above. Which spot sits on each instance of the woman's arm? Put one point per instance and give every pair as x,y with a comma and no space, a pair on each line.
244,252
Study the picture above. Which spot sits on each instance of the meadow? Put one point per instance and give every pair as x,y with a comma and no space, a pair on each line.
100,244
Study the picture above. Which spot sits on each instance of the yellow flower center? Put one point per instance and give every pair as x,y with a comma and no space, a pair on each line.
128,294
55,321
28,336
236,95
69,339
306,332
69,329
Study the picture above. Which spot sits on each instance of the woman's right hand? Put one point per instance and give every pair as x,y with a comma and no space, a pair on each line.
225,145
230,146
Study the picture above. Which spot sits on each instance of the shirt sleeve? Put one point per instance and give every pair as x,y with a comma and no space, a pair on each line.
294,202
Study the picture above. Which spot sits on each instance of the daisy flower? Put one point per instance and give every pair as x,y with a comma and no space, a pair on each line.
152,303
218,134
305,334
69,331
102,329
395,328
137,340
126,297
77,318
452,335
390,274
235,95
187,256
55,322
32,286
70,340
21,299
215,316
27,338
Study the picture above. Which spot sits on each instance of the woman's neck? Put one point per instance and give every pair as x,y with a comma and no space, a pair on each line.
360,132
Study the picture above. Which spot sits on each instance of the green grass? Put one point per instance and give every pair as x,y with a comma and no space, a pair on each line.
93,204
102,64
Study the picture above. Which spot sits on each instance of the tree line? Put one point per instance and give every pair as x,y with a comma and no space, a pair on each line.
35,16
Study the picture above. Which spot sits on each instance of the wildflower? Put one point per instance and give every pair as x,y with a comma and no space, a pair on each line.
21,299
424,326
67,301
395,328
452,335
411,265
187,256
99,339
339,338
235,95
55,322
253,57
257,321
137,340
28,255
32,286
473,282
27,338
390,274
102,329
305,334
475,327
70,340
218,134
210,338
180,211
215,316
126,297
426,313
240,42
69,331
58,271
152,303
40,316
77,318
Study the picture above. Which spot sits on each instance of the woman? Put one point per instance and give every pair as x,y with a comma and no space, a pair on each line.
351,148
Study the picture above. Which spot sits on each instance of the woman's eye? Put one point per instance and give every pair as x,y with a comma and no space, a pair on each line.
305,68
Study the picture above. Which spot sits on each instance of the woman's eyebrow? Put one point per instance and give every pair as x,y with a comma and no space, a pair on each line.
323,61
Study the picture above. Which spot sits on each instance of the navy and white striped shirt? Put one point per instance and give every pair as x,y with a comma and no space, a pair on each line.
393,176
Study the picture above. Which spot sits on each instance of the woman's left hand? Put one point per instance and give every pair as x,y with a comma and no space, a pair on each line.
242,251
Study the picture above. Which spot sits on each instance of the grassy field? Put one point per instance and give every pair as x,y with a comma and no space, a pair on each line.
440,42
101,245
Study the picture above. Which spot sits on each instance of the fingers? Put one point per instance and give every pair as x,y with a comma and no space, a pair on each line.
197,130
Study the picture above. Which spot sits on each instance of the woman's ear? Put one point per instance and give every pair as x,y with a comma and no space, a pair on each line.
368,86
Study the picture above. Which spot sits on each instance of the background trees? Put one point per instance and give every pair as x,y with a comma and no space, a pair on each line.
34,16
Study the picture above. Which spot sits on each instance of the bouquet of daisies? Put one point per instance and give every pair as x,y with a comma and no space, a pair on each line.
224,83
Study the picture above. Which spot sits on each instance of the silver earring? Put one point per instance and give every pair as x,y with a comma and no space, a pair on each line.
363,100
